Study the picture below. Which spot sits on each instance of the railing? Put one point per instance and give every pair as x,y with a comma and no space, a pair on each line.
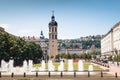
100,73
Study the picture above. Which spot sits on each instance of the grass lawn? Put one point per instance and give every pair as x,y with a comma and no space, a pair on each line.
75,66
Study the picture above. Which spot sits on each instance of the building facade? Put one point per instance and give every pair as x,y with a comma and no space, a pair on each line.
40,41
53,43
110,43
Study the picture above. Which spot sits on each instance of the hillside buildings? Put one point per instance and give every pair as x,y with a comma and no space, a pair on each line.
78,46
38,40
110,43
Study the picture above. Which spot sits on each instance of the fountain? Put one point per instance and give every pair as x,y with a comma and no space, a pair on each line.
29,69
80,65
70,65
4,65
61,66
51,67
42,68
30,65
90,68
10,65
25,66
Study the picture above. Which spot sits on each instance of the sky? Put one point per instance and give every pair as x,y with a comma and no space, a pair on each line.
75,18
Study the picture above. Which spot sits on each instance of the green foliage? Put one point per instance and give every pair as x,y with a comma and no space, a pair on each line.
95,52
69,56
110,58
87,44
63,55
85,56
57,56
117,58
73,56
18,49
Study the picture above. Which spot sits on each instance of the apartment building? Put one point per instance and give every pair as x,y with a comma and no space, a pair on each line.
110,43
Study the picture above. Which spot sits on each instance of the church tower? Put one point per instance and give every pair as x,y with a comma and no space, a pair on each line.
53,45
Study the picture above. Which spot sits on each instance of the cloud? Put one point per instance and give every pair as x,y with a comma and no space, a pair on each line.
5,26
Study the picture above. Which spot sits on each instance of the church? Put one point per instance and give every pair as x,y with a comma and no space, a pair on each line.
53,44
50,46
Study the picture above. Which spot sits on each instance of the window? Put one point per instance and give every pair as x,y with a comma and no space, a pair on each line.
52,36
52,45
55,29
49,36
52,29
49,29
55,36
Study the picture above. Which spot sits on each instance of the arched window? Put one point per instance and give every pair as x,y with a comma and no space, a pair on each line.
55,36
52,36
52,29
49,29
55,29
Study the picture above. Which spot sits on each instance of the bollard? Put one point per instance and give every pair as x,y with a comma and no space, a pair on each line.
61,74
101,73
116,75
49,74
74,73
12,75
24,74
36,74
0,74
88,73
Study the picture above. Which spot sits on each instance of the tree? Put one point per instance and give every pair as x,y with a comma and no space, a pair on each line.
17,49
63,55
75,56
68,56
57,56
110,58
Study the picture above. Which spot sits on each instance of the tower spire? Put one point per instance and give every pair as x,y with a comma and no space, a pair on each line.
53,18
52,12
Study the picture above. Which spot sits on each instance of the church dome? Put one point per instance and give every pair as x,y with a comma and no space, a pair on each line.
53,22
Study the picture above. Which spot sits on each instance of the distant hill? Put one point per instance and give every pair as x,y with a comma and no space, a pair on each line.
81,43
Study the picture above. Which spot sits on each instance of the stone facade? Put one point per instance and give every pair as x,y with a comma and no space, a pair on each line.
106,44
53,43
110,43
